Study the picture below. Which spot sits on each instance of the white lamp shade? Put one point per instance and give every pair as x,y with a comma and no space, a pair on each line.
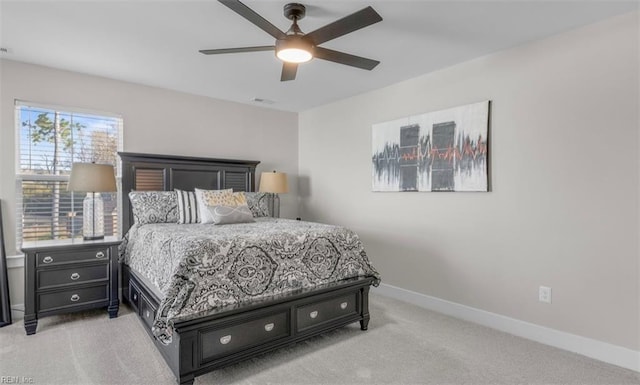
274,182
92,177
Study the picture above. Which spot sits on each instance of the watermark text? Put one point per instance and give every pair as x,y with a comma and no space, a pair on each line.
16,380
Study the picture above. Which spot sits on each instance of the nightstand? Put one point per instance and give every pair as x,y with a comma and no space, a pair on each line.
64,276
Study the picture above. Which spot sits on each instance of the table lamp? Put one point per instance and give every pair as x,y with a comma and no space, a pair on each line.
93,179
276,183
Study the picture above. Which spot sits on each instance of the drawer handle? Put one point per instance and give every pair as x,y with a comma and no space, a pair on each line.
135,297
100,254
148,314
343,305
313,314
225,339
75,298
47,259
75,276
269,327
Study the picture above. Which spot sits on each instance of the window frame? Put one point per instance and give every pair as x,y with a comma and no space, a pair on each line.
21,177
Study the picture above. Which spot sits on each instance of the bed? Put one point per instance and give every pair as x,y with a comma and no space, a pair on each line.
204,329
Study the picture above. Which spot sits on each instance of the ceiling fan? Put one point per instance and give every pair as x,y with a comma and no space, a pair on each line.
294,46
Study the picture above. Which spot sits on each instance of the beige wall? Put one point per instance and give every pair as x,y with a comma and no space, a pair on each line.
155,121
564,207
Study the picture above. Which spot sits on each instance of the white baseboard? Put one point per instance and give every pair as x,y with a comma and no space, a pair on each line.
15,261
602,351
17,312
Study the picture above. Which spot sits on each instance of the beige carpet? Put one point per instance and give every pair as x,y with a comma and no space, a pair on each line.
404,345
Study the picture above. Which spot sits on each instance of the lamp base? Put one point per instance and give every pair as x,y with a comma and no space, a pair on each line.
93,217
276,206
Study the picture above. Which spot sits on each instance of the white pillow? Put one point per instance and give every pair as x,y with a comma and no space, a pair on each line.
224,215
206,198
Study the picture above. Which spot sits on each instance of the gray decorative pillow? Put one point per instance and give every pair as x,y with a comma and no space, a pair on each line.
154,206
258,203
224,215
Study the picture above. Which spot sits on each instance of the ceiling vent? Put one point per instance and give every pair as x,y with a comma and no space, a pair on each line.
264,101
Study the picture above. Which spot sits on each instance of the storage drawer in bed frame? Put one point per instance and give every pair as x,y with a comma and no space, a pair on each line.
226,337
220,340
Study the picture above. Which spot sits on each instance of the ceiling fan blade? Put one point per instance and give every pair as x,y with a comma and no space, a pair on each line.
238,50
253,17
345,58
363,18
288,71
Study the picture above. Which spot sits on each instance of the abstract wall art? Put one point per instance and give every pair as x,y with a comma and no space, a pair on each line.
443,150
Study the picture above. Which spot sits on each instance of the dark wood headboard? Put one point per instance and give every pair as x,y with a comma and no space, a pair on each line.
151,172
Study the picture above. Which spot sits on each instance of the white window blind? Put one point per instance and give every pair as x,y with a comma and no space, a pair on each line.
50,140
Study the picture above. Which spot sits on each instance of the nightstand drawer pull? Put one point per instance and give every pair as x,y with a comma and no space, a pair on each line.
47,259
343,305
148,314
313,314
75,276
100,254
269,327
225,339
75,298
135,297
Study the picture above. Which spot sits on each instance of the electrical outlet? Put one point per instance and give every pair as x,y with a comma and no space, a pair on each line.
544,294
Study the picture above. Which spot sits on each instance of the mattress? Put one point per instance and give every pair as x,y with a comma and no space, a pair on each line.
200,268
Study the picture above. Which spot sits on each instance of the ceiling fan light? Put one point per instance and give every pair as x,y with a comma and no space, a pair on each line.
294,49
294,55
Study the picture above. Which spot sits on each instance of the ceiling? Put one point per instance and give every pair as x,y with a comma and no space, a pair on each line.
156,43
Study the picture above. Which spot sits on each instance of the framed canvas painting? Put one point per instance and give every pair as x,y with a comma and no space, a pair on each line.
443,150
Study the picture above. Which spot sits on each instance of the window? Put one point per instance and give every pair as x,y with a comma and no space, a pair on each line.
50,140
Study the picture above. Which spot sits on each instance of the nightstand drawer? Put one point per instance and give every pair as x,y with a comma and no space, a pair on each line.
54,277
54,258
72,297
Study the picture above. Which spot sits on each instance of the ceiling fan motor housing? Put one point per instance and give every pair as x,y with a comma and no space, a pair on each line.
294,11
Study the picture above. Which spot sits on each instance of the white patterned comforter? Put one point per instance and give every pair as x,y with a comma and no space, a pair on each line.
202,267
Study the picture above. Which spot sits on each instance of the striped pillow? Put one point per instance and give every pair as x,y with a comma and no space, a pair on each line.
187,207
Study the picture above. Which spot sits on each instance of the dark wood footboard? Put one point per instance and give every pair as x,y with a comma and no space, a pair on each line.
238,333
